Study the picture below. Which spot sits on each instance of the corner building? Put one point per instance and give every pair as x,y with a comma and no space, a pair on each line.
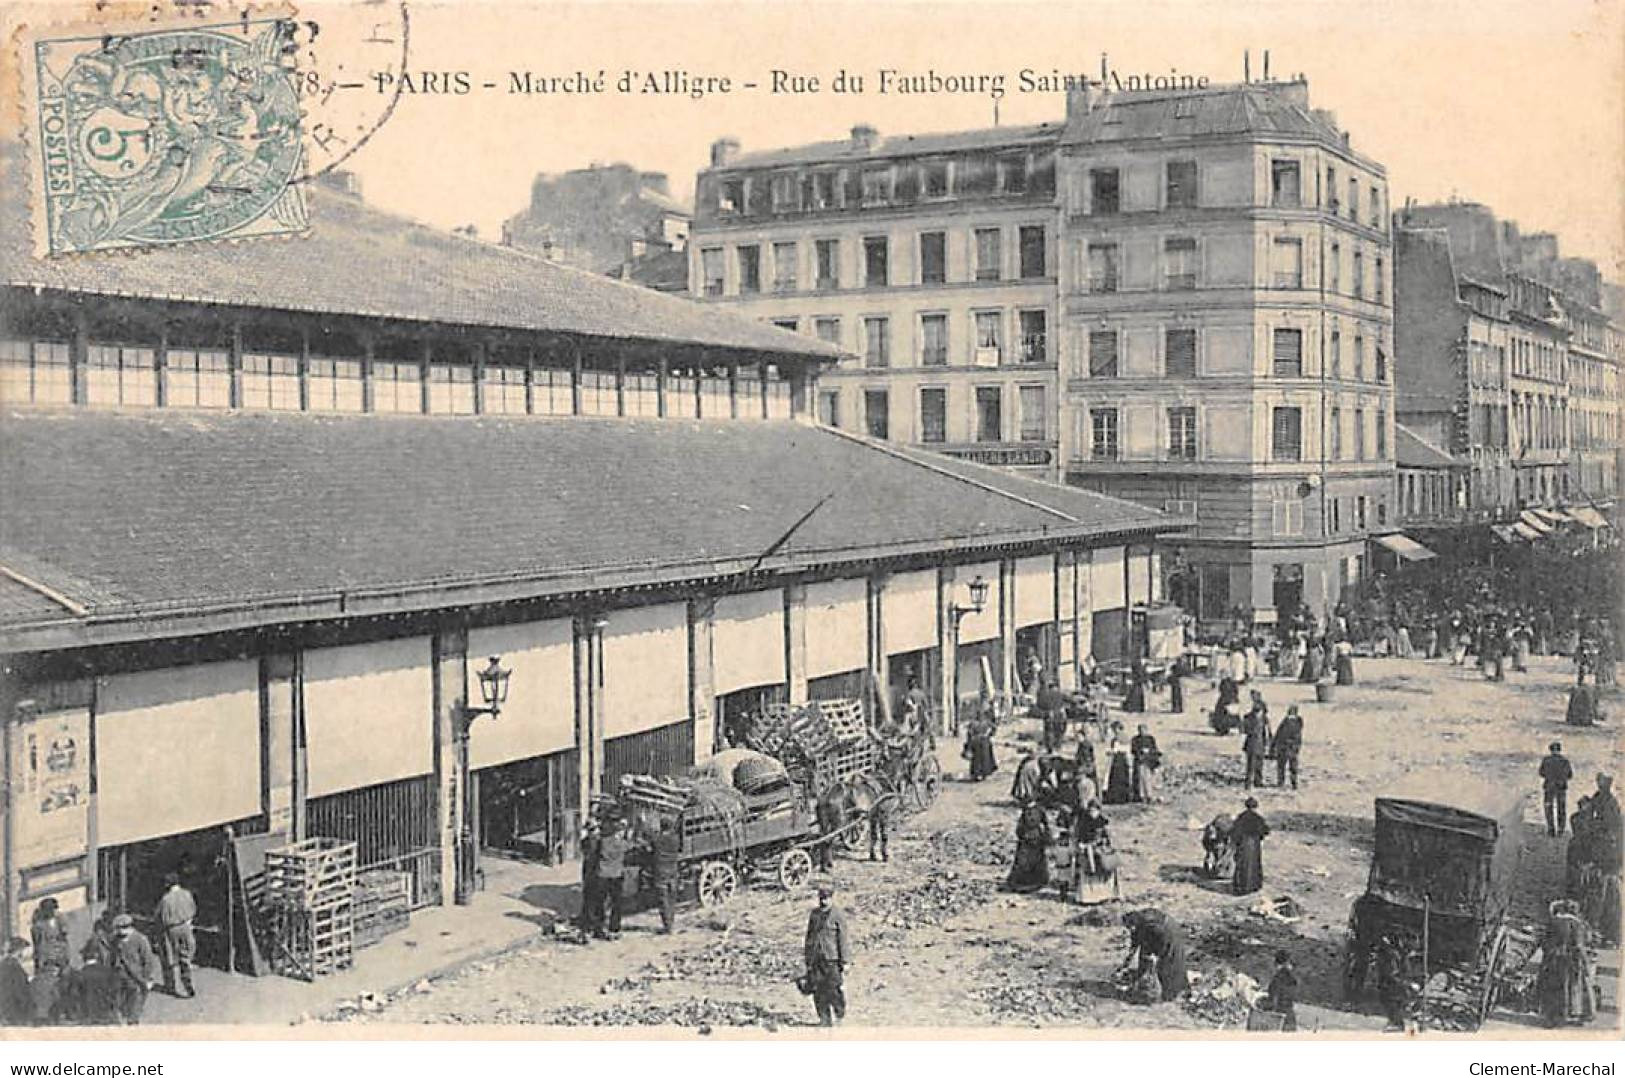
1225,287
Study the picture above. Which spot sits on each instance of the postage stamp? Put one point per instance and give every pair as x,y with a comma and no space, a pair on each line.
165,136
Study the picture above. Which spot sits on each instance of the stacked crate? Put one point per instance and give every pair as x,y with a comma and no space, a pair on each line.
383,904
310,890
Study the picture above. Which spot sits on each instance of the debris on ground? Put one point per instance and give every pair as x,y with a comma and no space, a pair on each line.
1036,1005
1282,909
692,1013
1223,997
738,958
942,895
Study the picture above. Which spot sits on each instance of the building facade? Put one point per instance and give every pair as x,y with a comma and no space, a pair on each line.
611,219
931,259
1511,360
1229,335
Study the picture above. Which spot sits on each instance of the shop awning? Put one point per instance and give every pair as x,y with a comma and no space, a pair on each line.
1529,520
1584,514
1526,531
1406,547
1553,516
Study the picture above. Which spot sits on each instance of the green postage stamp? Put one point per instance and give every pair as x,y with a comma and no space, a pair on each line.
171,135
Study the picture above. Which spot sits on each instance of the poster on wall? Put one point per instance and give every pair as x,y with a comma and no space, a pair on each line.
51,786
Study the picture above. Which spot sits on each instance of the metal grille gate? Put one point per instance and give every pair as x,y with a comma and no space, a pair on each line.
393,827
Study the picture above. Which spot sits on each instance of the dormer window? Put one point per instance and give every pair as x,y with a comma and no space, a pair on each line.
934,182
731,196
876,187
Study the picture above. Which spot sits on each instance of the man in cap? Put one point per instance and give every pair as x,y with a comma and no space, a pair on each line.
1555,773
136,968
1288,744
612,851
828,950
178,943
666,852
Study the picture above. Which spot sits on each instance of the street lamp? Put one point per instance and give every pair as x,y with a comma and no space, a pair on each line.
493,679
978,602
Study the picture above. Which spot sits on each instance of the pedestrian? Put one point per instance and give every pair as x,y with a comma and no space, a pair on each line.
612,850
590,920
1564,983
1287,745
136,969
1176,686
1025,786
16,995
1134,699
1051,708
978,748
92,993
49,937
1402,643
1029,870
1394,980
831,812
1247,834
177,942
1555,773
1343,661
666,858
1255,741
1159,944
1281,997
880,825
1119,780
1085,759
1147,760
828,951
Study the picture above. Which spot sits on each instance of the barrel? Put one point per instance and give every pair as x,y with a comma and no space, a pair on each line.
1323,691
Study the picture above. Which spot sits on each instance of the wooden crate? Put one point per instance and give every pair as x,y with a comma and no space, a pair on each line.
312,873
314,942
383,904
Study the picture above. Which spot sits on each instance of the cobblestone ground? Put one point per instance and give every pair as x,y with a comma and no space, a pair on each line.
939,945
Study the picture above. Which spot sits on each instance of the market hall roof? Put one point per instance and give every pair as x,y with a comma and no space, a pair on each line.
358,260
168,523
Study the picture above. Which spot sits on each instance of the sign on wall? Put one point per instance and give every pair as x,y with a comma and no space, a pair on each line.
51,787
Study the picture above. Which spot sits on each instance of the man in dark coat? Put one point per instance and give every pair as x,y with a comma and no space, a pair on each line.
1288,744
590,919
666,858
1247,835
831,818
1555,773
1159,942
1051,707
1255,740
612,851
1281,996
136,967
1030,870
16,999
828,950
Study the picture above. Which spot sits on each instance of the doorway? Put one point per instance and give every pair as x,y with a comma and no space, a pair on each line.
734,711
528,808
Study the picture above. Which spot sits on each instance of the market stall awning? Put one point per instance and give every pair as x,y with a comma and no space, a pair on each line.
1584,514
1504,533
1552,516
1528,519
1526,531
1406,547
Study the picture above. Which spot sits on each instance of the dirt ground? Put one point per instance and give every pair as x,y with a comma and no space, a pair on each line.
939,945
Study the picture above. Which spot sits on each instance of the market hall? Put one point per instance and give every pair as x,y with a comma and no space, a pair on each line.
243,620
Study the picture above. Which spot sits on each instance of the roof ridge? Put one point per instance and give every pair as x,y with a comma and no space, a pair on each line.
922,462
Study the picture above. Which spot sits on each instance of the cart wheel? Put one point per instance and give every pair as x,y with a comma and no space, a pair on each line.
795,867
1497,952
717,883
927,782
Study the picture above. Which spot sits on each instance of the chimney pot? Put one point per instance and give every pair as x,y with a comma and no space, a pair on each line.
724,150
864,137
1081,98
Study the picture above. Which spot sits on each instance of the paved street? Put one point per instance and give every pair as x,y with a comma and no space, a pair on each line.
938,943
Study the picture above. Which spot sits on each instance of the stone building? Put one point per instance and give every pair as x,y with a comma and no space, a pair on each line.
1229,349
610,219
932,259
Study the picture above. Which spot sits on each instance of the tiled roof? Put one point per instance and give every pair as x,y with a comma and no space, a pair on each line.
843,150
143,516
358,260
1242,109
1411,450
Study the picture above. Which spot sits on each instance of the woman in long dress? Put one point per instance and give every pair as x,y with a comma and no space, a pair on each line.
1119,775
1094,876
1314,662
1160,944
1565,984
1030,872
1344,653
1247,839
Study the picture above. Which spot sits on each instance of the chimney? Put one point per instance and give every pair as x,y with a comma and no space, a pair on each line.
1295,92
1081,98
724,150
865,137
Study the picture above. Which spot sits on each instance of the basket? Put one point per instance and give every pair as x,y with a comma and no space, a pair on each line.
1324,691
1261,1021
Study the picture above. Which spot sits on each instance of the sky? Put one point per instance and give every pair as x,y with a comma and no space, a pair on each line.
1519,105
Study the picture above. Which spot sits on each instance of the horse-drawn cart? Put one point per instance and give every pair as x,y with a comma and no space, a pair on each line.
1439,893
738,818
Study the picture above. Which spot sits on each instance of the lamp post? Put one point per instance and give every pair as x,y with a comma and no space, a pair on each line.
493,678
978,602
